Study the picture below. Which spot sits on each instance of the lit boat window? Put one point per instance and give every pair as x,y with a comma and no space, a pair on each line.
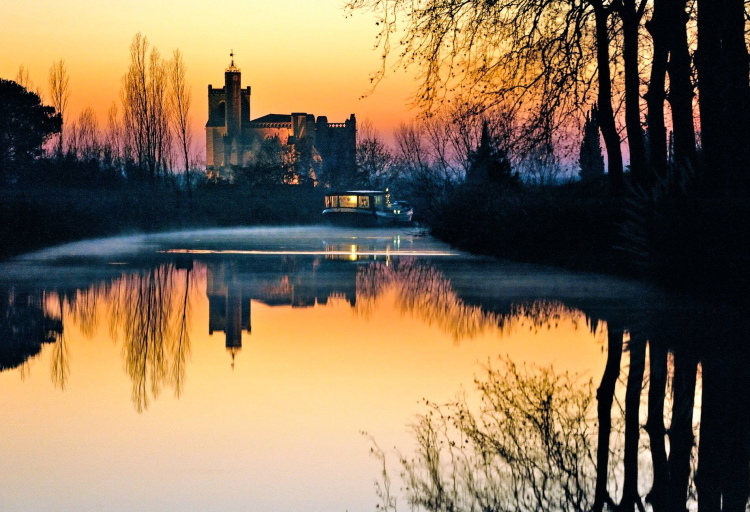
364,201
348,201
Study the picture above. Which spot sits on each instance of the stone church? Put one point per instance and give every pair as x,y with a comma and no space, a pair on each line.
233,138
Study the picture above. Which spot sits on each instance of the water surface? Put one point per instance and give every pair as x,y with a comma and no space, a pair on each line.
238,369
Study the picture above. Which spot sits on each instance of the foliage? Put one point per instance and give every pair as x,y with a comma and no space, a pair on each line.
533,58
573,225
527,446
306,165
25,124
273,165
180,99
146,109
40,214
374,158
59,87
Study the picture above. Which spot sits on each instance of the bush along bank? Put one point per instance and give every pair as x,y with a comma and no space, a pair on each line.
686,244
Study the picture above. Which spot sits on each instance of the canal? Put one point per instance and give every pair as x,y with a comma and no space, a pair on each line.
284,368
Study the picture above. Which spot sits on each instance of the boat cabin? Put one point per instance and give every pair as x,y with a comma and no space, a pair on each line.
364,200
364,207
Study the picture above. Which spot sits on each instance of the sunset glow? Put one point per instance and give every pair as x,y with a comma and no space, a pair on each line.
298,56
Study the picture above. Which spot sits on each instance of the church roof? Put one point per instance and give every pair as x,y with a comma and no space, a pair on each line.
273,118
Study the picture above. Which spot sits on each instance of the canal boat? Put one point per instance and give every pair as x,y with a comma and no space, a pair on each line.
366,208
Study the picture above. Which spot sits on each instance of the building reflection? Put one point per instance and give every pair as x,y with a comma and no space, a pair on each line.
228,312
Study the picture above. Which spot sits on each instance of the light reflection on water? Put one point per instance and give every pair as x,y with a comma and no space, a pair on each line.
236,369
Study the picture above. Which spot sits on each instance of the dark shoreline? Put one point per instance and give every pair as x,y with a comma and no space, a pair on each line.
34,219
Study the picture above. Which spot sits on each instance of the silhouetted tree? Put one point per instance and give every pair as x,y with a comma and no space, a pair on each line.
489,163
113,144
631,12
59,90
25,125
602,13
84,140
145,108
181,97
374,159
536,55
590,156
722,63
273,164
307,165
681,92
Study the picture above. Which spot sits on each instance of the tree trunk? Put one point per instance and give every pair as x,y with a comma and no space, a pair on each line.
722,63
657,133
630,24
681,87
655,424
606,114
605,396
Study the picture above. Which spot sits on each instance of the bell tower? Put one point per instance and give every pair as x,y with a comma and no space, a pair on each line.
233,88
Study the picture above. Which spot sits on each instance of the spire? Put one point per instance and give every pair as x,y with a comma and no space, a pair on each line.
233,352
231,64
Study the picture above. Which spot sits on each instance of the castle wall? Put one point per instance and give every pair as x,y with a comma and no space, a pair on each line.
245,105
262,133
232,139
215,127
215,146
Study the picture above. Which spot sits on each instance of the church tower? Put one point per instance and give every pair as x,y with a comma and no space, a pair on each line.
232,80
228,111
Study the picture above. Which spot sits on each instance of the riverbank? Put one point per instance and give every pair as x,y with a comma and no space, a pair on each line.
686,244
698,247
34,218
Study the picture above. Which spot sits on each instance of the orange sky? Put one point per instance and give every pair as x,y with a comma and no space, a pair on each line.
298,55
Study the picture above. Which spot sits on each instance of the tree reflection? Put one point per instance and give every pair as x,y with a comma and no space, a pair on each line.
182,343
424,292
535,441
150,311
527,446
83,308
25,327
60,368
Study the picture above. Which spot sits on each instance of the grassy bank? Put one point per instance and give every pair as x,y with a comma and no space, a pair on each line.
33,218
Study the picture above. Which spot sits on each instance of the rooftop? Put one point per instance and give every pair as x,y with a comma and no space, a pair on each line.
273,118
